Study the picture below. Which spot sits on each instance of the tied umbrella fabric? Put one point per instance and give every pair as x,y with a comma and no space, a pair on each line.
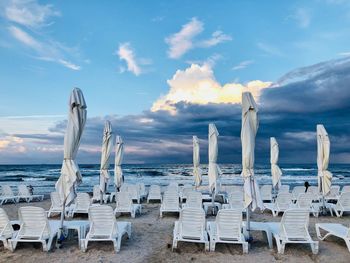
197,172
323,150
107,145
118,172
275,170
213,169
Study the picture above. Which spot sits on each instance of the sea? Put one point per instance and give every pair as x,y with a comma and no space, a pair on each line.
43,177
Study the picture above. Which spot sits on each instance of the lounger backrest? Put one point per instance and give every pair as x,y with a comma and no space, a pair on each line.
346,188
96,193
154,190
134,191
266,192
298,190
313,190
7,191
102,220
23,190
142,189
6,229
83,201
229,224
33,221
194,199
124,200
304,200
186,191
192,223
283,201
124,187
284,188
173,185
294,224
334,191
236,200
344,201
170,199
55,199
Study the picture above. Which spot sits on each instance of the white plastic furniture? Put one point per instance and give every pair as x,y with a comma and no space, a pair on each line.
81,205
337,230
293,229
235,201
142,190
56,205
266,192
124,204
342,205
345,189
6,230
104,227
23,193
284,188
297,190
304,201
185,190
281,204
7,195
191,227
170,203
134,192
227,228
96,195
333,193
193,200
34,227
154,193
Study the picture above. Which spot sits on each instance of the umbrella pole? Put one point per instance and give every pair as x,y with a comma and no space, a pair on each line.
212,202
248,224
60,237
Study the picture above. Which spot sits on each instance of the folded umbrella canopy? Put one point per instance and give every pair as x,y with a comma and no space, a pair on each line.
323,149
107,144
70,174
197,172
213,169
275,170
119,152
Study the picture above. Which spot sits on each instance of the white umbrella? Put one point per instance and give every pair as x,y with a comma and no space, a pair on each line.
107,145
250,124
213,169
197,172
119,152
323,149
275,170
70,174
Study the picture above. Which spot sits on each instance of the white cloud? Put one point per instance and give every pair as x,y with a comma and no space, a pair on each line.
184,40
126,53
243,64
302,136
68,64
29,13
303,17
269,49
25,38
197,85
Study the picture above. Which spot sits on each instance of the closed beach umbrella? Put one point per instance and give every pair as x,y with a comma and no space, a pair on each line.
197,172
250,124
323,149
213,169
275,170
107,145
119,152
70,174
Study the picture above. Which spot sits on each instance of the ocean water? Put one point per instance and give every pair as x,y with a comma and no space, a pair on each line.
43,177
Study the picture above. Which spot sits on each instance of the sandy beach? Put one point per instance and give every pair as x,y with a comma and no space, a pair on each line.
152,239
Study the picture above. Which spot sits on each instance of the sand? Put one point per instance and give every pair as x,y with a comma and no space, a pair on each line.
152,238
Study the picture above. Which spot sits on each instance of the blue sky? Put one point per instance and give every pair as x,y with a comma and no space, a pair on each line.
147,57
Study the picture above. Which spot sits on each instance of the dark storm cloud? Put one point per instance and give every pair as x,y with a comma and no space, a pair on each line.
290,112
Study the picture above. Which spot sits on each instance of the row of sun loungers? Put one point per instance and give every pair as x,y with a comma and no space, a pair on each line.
23,193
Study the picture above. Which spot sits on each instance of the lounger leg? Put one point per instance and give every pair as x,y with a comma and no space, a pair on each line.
161,214
117,244
84,244
314,247
245,247
212,246
174,243
206,246
44,246
347,241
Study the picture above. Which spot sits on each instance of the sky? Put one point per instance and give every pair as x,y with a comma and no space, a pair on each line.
161,71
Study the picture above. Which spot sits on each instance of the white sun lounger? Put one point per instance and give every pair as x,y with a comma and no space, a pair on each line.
154,193
227,228
266,192
34,227
193,200
81,205
304,201
134,192
142,190
96,195
337,230
293,229
284,188
7,195
297,190
345,189
56,205
281,204
191,227
104,227
342,205
333,193
124,204
185,190
6,230
23,193
235,201
170,203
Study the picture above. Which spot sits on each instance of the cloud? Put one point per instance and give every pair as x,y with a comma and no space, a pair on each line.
269,49
243,64
126,53
29,13
184,40
303,17
197,85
